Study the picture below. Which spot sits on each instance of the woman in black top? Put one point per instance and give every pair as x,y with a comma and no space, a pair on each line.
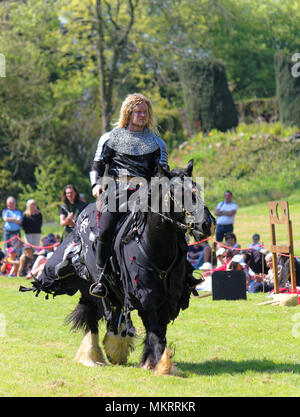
32,224
69,210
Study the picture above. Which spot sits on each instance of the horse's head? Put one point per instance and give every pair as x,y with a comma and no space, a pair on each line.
187,205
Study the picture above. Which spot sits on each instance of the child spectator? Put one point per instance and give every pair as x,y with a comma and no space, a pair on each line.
10,263
27,260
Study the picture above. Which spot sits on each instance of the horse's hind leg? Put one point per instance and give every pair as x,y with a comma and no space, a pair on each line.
117,344
85,316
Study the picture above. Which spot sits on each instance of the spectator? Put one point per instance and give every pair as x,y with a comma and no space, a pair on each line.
219,252
227,256
70,209
230,240
204,257
226,211
266,281
256,242
237,263
49,246
12,218
57,237
32,223
27,260
194,252
2,256
10,263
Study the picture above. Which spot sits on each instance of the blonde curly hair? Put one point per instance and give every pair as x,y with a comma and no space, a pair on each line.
128,106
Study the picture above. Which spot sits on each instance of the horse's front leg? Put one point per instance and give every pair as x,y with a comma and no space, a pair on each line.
156,356
117,344
89,352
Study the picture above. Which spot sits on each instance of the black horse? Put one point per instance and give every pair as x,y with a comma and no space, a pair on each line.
148,272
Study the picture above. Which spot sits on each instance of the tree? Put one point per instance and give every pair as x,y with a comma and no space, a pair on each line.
99,31
208,100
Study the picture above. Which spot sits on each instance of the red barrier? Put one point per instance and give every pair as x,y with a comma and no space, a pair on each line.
37,247
228,247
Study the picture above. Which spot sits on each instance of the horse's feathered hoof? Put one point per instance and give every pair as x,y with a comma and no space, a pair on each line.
117,347
165,365
90,353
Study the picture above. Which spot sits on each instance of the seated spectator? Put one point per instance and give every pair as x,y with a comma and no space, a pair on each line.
266,281
57,237
27,260
2,256
10,263
227,256
204,257
206,284
256,244
194,252
219,253
230,240
49,246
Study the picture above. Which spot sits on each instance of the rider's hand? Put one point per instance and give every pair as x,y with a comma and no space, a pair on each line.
97,190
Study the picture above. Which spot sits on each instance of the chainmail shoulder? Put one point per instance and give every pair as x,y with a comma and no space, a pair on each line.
132,143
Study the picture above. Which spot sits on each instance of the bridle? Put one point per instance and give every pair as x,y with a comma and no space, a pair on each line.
188,226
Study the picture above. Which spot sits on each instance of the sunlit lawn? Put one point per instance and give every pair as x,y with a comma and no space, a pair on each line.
222,348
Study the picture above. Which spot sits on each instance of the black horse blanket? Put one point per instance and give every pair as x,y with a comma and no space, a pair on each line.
80,244
143,286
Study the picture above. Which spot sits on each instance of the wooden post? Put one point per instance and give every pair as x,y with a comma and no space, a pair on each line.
292,257
275,249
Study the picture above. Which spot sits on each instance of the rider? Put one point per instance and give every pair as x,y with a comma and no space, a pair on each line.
132,149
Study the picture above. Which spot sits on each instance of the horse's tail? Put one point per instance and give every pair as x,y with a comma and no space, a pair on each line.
85,316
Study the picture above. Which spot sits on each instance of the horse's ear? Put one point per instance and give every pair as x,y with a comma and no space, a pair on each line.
189,168
164,170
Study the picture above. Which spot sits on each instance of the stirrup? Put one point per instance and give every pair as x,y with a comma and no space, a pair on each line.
95,295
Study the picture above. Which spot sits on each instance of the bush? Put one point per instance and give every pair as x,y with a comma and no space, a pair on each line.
263,109
258,162
208,101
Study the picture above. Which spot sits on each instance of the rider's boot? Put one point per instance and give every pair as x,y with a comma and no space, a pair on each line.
98,289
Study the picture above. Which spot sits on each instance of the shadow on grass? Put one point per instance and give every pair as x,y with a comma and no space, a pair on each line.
218,367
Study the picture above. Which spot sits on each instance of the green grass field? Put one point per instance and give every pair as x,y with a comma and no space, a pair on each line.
222,348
